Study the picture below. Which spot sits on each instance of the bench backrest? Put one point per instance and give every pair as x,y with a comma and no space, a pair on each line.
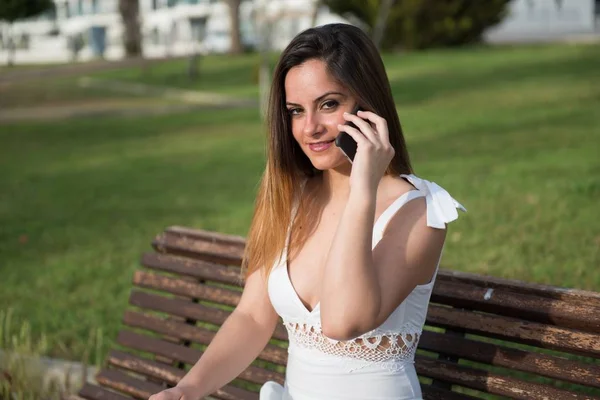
483,336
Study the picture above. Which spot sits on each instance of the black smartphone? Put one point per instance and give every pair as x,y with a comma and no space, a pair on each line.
345,141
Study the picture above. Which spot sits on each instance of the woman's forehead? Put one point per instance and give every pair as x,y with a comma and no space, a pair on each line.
309,81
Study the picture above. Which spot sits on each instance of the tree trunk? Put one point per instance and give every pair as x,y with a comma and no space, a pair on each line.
313,19
198,35
234,17
264,82
132,35
263,26
381,21
193,68
10,60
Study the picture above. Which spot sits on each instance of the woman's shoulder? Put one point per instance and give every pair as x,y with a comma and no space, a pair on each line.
393,188
441,207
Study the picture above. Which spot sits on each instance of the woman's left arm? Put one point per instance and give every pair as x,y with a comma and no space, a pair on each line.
361,286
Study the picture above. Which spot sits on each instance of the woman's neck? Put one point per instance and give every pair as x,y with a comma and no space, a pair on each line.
335,184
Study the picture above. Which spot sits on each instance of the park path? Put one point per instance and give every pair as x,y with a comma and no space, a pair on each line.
17,73
67,374
89,109
147,100
140,99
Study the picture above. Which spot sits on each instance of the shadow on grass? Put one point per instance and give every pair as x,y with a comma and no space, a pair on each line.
80,133
88,202
215,73
424,87
513,135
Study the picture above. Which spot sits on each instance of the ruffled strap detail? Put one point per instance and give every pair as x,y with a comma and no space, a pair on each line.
441,207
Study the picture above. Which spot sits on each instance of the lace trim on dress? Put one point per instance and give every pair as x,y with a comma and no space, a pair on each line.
390,350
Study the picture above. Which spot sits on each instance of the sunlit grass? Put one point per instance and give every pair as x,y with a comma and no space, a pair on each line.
512,133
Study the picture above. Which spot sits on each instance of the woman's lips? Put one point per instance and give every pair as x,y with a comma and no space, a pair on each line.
321,146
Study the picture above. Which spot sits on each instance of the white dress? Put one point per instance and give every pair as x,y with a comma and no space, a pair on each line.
378,365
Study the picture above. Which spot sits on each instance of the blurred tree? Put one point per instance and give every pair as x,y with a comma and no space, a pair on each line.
198,25
234,17
315,13
559,4
132,34
364,10
13,10
417,24
380,23
263,24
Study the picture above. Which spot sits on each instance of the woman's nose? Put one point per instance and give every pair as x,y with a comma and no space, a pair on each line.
311,123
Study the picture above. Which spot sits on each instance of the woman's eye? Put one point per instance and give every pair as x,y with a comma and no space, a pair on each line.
294,111
330,104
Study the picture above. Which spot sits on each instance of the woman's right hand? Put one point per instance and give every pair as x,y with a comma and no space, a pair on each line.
176,393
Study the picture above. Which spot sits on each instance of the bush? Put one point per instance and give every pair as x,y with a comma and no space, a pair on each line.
23,375
420,24
416,24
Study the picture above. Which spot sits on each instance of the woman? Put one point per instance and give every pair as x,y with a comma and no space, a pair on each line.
346,253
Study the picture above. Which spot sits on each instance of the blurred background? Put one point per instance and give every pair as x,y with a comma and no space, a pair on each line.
119,118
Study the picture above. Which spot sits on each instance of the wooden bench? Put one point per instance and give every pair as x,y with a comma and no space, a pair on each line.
483,336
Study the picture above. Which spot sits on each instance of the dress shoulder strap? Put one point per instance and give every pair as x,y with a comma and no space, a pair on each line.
389,212
441,207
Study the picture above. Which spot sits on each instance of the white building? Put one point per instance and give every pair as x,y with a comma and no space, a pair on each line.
78,28
179,27
168,28
546,20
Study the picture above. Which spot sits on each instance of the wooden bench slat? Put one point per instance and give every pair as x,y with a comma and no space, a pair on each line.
229,297
515,359
564,320
234,393
142,390
434,393
187,355
542,364
92,392
193,333
234,245
127,384
505,327
498,300
169,374
189,289
491,382
524,306
193,268
178,307
567,295
145,367
227,239
189,310
516,330
152,345
198,249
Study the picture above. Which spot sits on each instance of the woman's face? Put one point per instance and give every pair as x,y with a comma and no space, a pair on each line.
316,104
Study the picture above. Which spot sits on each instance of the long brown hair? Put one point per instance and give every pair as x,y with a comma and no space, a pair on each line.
351,59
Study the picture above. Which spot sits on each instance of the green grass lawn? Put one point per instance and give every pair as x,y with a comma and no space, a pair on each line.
59,92
512,133
226,74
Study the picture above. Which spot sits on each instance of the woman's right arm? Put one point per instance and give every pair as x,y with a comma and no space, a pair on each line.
238,342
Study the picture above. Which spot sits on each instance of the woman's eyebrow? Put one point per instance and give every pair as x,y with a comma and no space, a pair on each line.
318,99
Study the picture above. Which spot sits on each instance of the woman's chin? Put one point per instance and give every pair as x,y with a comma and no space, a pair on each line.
325,164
